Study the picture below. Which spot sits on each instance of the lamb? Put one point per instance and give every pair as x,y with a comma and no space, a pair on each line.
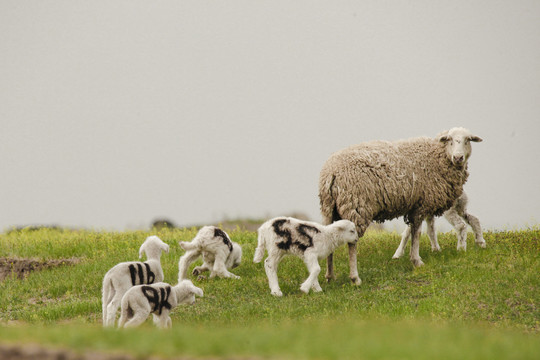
382,180
158,299
308,240
119,279
219,254
458,216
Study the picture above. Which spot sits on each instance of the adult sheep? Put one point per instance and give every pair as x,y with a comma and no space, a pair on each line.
382,180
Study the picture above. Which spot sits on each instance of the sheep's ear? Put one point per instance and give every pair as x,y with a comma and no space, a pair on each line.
182,244
141,250
165,247
475,138
444,138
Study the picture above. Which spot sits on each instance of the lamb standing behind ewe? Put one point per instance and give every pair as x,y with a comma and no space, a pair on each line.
123,276
308,240
459,218
382,180
158,299
218,251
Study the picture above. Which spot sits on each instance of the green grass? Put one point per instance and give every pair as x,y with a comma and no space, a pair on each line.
482,304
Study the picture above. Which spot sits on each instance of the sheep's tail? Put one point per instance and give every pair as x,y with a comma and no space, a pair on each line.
261,245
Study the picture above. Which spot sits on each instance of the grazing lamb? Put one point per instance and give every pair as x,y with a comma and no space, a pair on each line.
158,299
458,216
308,240
382,180
125,275
219,254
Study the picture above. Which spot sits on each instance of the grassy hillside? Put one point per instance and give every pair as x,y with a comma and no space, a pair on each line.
480,304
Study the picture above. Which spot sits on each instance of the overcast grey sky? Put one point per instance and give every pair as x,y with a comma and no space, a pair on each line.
114,113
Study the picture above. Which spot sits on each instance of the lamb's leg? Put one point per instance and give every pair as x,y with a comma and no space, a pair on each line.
461,228
432,234
115,303
186,260
314,269
163,321
200,269
219,266
271,266
415,244
138,318
353,266
400,251
330,268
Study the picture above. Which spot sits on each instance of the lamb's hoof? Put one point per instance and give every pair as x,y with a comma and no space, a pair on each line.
461,248
277,293
418,263
356,281
330,278
235,276
201,277
396,256
481,244
196,272
438,248
316,288
304,289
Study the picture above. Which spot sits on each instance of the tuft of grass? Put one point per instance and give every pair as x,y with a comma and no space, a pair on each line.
483,303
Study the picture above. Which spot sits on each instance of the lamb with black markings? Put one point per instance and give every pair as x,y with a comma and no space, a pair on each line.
158,299
308,240
219,254
119,279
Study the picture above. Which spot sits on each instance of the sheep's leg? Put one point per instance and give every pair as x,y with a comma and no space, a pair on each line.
186,260
219,266
108,294
353,266
400,251
114,304
415,244
432,234
271,266
461,228
477,229
163,321
314,269
330,268
138,318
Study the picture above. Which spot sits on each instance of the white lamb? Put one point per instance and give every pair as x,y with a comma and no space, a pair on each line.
123,276
308,240
219,254
158,299
458,216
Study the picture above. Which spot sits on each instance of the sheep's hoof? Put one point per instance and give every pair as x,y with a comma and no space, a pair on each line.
461,248
417,262
329,278
356,281
196,272
316,288
277,293
396,256
201,278
235,276
481,244
437,248
304,289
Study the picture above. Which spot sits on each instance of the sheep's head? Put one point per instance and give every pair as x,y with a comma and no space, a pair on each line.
186,292
458,144
152,247
346,231
235,257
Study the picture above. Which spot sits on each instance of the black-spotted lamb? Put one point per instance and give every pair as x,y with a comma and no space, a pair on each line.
382,180
308,240
219,254
459,218
158,299
119,279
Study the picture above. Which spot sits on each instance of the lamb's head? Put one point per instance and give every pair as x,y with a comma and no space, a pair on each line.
458,144
152,247
235,257
345,230
185,292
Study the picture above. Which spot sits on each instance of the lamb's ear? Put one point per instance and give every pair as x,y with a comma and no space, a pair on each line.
475,138
165,247
141,250
182,244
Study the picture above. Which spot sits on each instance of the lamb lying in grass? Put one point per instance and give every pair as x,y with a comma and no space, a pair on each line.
219,254
458,216
123,276
157,299
308,240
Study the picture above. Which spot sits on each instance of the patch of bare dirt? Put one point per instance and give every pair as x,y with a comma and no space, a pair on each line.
20,267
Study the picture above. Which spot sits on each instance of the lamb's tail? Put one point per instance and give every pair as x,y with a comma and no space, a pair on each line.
186,245
108,293
261,245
